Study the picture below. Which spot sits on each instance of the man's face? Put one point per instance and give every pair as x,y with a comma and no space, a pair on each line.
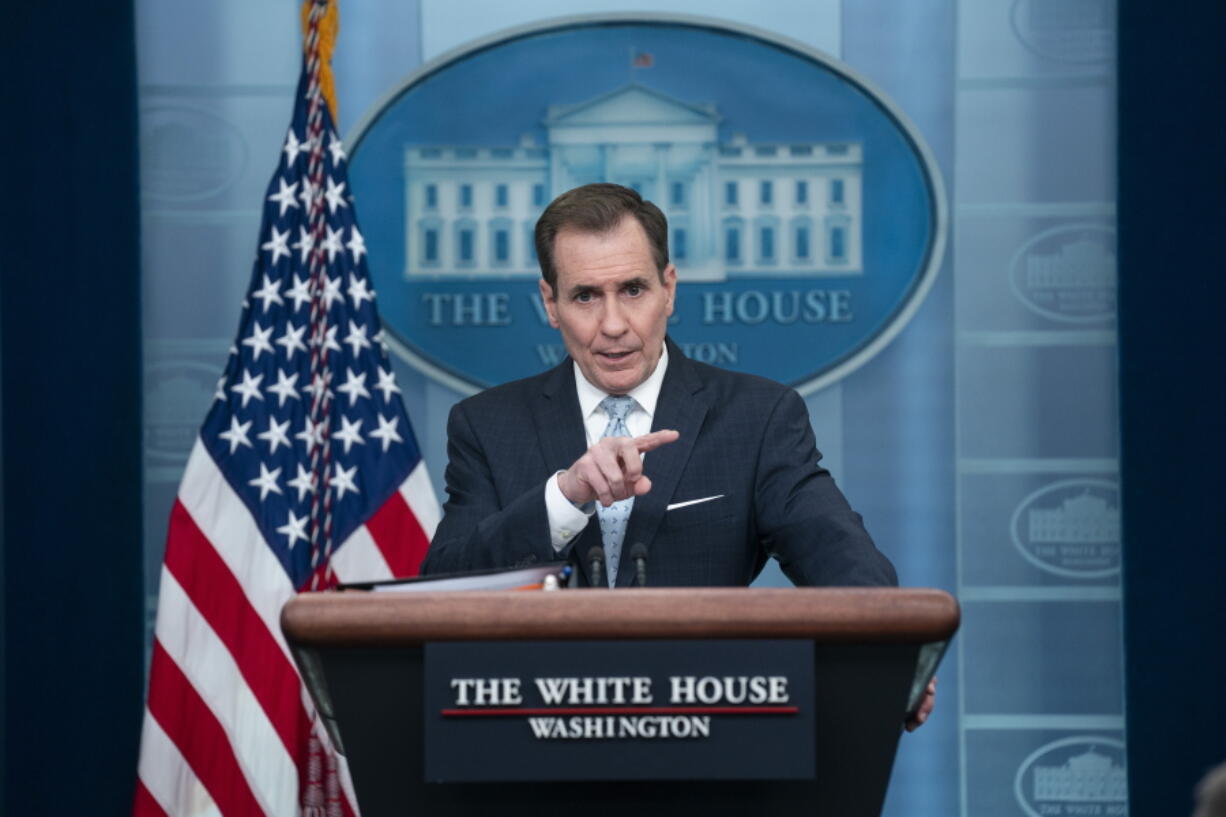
611,306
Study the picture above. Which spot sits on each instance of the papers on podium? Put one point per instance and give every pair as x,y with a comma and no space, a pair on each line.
520,578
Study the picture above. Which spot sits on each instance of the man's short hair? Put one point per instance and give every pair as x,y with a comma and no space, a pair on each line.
598,208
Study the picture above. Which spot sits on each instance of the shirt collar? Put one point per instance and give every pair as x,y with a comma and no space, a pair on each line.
646,394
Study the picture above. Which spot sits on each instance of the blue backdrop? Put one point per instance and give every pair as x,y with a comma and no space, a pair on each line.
982,445
972,444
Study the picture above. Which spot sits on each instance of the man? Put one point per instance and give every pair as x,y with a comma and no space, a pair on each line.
732,476
728,476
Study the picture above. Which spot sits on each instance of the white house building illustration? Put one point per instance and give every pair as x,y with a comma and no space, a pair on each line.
1083,518
1090,777
734,208
1080,264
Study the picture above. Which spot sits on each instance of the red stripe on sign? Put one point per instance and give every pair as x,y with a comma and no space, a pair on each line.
222,601
190,724
503,712
399,535
143,804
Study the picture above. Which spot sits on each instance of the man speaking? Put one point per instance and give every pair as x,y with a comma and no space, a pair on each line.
695,473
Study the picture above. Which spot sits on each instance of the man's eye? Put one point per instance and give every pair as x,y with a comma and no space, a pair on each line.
634,290
583,297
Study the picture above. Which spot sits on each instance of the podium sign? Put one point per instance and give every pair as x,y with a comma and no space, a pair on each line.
625,710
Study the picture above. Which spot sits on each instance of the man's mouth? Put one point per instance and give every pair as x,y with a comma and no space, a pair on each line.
615,357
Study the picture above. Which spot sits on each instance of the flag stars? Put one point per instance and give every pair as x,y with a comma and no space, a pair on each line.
387,384
249,388
335,196
266,481
311,435
304,483
316,385
292,340
356,245
357,338
284,387
277,244
258,341
332,291
268,294
237,435
292,148
310,192
300,292
349,433
275,435
330,343
342,479
285,196
294,528
386,432
304,245
332,243
336,148
354,387
359,291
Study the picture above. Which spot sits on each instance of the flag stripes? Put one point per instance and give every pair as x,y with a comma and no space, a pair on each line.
211,590
207,665
418,494
166,779
399,536
179,709
144,805
361,556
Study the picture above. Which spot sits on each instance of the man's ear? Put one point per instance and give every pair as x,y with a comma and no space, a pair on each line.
550,301
670,285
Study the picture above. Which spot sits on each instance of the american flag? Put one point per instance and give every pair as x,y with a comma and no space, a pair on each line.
305,472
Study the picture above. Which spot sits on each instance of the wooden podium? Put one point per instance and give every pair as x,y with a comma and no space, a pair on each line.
362,656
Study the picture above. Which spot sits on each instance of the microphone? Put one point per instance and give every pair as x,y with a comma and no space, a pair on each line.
595,566
638,555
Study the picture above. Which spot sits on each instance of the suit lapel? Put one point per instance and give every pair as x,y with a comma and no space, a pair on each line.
559,429
682,405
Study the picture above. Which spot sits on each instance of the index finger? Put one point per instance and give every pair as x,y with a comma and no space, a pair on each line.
652,441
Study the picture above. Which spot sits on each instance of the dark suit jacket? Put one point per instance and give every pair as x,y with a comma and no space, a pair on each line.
741,436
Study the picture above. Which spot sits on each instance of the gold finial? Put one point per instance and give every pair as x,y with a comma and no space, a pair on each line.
328,27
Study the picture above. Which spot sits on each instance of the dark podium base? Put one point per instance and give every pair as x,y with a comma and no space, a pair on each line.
361,655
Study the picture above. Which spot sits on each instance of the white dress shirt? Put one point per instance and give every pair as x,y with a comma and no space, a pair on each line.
566,520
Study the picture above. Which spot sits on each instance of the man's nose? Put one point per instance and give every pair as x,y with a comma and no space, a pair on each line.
612,319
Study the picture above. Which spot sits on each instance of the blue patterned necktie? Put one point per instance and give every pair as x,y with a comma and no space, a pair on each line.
613,518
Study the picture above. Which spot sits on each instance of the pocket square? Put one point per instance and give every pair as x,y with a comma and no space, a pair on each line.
677,505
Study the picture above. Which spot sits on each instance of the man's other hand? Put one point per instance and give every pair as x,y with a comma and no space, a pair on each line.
612,469
925,708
